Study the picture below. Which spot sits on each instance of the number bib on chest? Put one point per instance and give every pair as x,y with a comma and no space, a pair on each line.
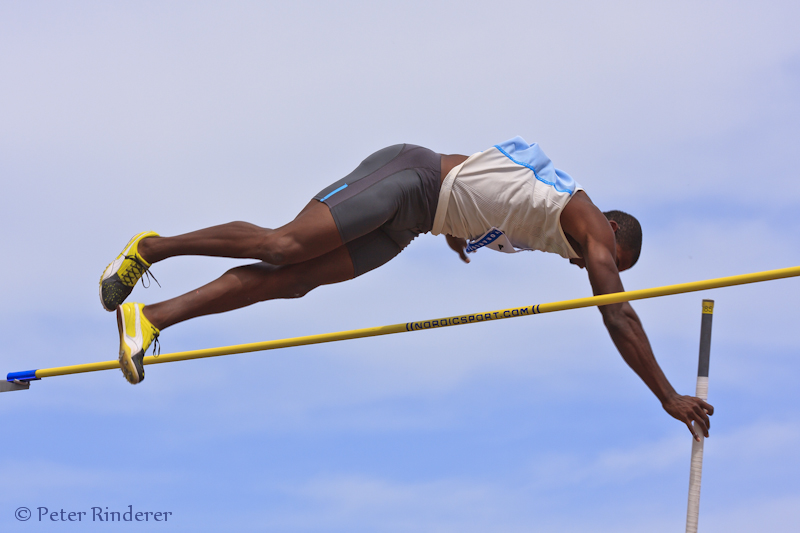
493,239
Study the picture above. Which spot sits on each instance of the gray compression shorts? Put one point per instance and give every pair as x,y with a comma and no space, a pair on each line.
385,203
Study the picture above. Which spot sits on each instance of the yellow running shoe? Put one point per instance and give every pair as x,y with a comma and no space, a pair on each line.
120,277
136,333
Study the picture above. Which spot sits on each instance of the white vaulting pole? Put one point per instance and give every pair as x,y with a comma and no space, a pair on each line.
696,470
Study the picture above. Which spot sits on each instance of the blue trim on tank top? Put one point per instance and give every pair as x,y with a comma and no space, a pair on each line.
535,174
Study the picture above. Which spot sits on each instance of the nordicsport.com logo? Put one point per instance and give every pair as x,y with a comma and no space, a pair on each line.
93,514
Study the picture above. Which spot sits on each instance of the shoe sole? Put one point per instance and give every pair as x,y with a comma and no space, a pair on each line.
102,279
116,292
108,275
127,363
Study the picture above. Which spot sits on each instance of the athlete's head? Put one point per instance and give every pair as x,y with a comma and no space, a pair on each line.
628,233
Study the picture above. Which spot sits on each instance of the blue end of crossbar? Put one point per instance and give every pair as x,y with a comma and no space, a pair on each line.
27,375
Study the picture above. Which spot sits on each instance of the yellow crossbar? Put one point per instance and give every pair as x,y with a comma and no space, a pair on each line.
604,299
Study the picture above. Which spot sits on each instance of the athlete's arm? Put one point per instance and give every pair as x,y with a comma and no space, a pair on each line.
589,227
448,162
459,246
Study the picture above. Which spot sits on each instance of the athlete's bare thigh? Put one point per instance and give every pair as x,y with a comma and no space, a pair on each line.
311,234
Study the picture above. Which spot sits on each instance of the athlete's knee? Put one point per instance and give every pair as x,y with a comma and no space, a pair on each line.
299,289
296,282
279,248
249,239
288,286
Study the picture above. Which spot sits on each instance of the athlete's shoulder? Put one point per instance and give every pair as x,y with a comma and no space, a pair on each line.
581,218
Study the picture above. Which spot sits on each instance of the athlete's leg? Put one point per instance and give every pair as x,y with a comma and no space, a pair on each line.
246,285
311,234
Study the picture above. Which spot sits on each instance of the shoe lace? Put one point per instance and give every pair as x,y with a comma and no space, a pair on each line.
156,344
143,271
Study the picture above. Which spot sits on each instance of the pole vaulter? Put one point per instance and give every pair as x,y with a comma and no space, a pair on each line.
508,198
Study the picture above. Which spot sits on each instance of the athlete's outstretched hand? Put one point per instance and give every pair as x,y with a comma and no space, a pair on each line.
690,409
459,245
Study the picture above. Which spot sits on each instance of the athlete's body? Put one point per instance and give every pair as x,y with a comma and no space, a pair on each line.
310,251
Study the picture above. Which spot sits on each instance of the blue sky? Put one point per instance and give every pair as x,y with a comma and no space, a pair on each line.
123,117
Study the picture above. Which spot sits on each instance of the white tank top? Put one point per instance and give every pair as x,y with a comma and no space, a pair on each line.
508,198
